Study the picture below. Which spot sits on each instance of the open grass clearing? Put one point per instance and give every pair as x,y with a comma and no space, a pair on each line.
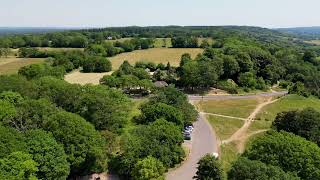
156,55
231,107
288,103
77,77
12,65
224,127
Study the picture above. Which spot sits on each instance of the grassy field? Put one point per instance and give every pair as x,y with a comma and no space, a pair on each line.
156,55
224,127
12,65
228,155
290,102
259,125
233,107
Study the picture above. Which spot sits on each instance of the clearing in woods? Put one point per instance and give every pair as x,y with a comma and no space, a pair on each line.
11,65
76,77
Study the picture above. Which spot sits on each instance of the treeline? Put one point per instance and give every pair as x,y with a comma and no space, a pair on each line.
70,39
60,63
108,49
60,130
233,64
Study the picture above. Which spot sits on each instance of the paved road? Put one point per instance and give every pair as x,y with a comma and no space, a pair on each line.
220,97
203,142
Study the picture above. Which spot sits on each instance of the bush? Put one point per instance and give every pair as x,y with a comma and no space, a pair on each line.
230,86
298,88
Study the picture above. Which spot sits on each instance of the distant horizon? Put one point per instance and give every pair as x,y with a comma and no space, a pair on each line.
96,27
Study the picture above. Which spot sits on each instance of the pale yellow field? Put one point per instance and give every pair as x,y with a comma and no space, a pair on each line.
77,77
156,55
12,65
316,42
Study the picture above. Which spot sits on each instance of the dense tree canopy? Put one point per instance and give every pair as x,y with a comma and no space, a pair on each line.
160,139
48,154
244,169
19,166
287,151
305,123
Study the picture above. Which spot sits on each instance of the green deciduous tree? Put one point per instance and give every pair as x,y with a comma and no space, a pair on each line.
48,154
18,166
11,97
247,80
148,168
161,139
151,112
209,168
83,145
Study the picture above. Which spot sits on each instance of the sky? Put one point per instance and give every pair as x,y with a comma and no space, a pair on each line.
107,13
